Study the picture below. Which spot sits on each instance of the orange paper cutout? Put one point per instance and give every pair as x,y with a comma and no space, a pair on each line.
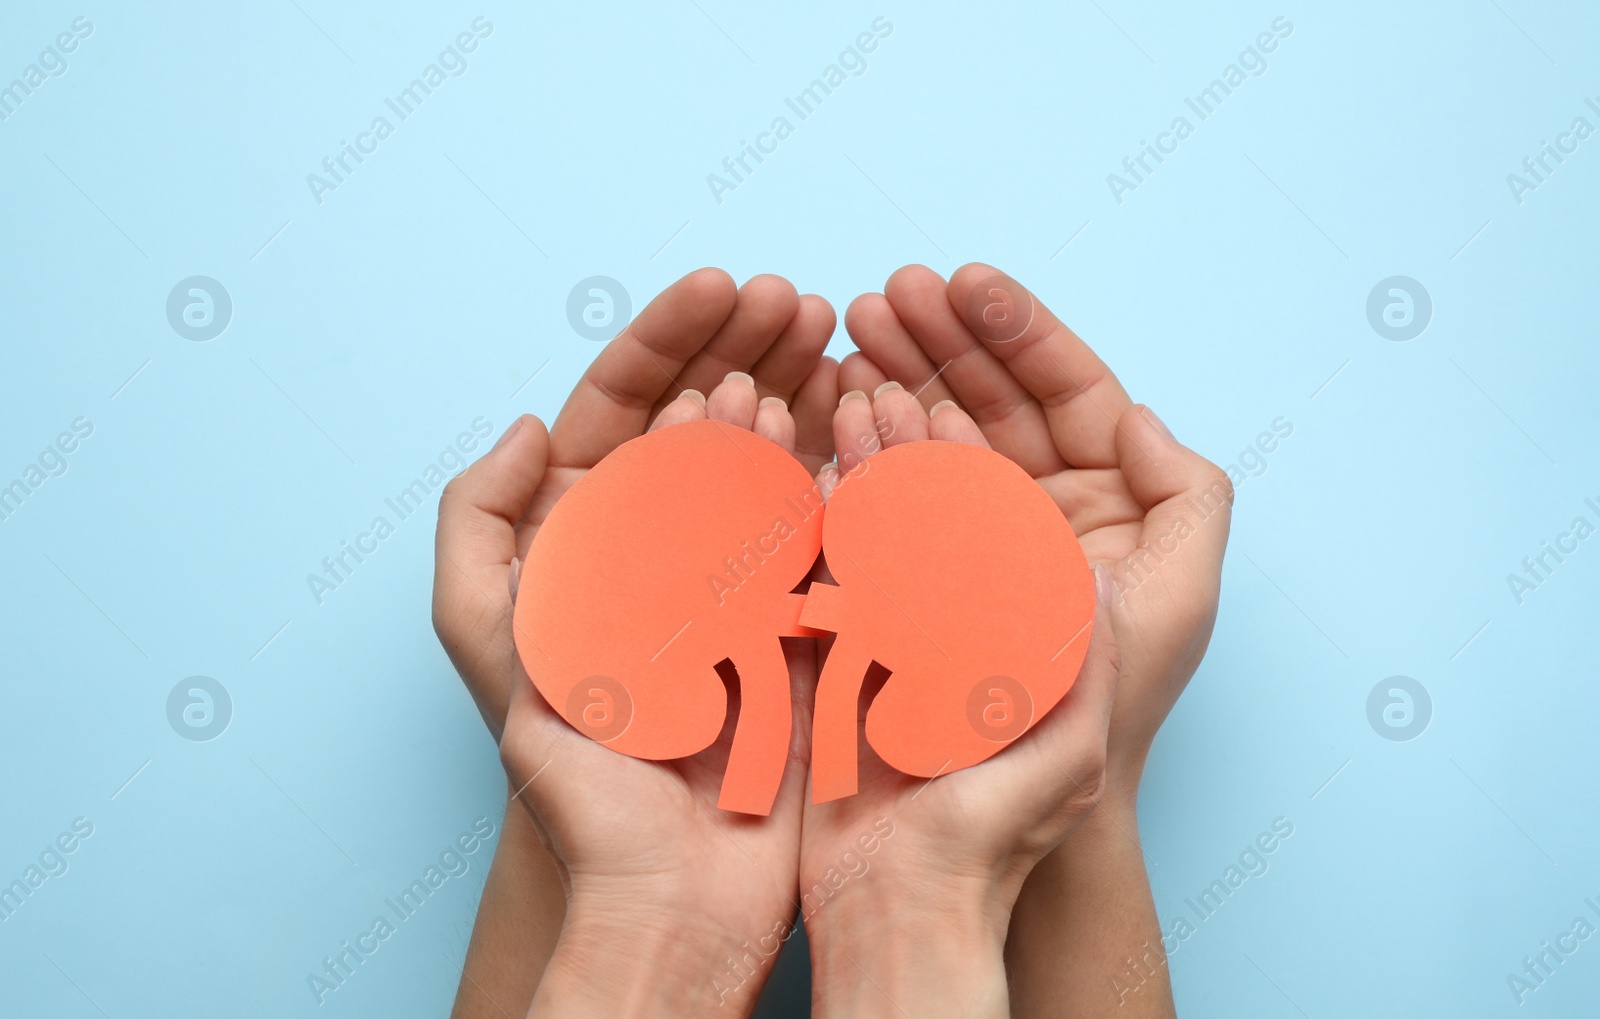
678,550
681,548
958,574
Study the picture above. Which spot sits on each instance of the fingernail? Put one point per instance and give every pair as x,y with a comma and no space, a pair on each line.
887,387
695,395
773,401
514,578
828,479
854,394
506,434
941,405
1161,427
739,377
1102,585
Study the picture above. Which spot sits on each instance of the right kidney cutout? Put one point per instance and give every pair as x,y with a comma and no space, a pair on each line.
956,572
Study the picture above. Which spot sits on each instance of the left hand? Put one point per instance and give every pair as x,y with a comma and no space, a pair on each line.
661,883
907,886
688,338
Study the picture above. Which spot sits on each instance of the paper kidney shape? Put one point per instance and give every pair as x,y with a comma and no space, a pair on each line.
677,551
958,574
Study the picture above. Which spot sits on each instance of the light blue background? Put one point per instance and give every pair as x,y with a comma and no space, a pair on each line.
1226,291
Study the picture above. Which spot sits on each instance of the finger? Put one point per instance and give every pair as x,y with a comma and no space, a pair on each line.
880,334
812,409
689,406
1188,498
828,479
898,416
618,394
473,548
480,507
855,434
763,309
952,424
1081,396
734,401
795,353
774,422
1073,734
1014,422
857,371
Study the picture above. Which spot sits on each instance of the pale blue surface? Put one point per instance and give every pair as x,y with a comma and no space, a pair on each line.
379,324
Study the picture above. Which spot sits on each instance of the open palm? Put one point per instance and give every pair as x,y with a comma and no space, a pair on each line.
692,335
1001,815
637,833
1153,512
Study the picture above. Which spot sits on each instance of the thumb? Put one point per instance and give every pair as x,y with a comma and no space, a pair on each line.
533,731
528,747
1075,730
473,547
1188,503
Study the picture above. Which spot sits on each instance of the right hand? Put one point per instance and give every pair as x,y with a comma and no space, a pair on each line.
923,927
1152,512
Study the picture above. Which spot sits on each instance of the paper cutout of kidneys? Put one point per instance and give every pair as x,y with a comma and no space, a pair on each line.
958,574
678,550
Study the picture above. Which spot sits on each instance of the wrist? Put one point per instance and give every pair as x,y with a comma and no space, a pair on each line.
1110,832
1124,773
1083,919
642,962
1120,800
931,948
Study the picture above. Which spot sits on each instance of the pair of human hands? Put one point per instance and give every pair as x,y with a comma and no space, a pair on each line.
643,852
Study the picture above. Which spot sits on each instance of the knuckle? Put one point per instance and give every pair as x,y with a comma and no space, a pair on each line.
444,623
1094,786
454,489
1090,786
510,758
1215,481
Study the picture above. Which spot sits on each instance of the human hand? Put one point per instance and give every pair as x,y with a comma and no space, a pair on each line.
1153,513
907,886
691,335
687,339
660,884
